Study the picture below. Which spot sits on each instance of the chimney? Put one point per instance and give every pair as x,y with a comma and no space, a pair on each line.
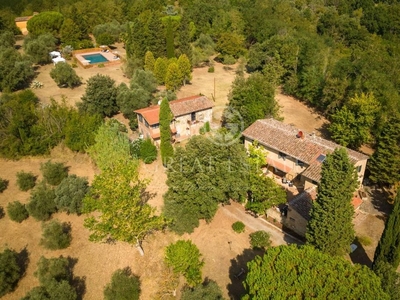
300,135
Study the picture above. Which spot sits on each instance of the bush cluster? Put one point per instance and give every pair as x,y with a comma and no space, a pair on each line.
260,239
26,180
17,211
53,173
238,227
124,285
56,235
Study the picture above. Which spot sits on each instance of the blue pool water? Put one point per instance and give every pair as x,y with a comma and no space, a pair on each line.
95,58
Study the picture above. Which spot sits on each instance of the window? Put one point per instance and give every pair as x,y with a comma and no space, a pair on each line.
282,155
299,163
147,124
155,126
140,118
359,168
321,158
193,116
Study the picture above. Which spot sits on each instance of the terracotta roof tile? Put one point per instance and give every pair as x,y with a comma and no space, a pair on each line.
151,114
302,203
283,138
178,107
190,104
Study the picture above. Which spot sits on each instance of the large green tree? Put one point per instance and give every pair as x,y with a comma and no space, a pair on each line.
166,148
200,176
330,228
352,125
100,96
251,99
303,272
116,197
123,286
184,258
64,75
111,146
385,162
10,271
388,249
16,70
185,68
46,22
38,48
208,290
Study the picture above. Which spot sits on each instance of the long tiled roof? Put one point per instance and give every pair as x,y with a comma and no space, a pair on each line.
284,138
191,104
178,107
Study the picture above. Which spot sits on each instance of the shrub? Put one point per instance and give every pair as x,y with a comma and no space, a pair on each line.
207,126
2,214
70,193
56,235
228,60
25,181
260,239
10,272
53,268
3,185
41,204
238,227
364,240
202,130
124,285
135,148
148,152
53,173
211,69
17,211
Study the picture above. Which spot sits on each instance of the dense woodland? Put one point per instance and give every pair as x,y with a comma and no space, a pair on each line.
339,57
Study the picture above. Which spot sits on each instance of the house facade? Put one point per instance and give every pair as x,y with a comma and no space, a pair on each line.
189,115
295,154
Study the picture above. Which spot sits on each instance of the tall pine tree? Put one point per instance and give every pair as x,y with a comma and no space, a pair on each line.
385,162
165,132
184,37
330,228
388,249
170,39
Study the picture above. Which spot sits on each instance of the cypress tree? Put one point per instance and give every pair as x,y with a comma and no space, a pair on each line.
388,249
160,69
165,132
385,162
330,228
156,40
149,61
170,39
185,68
173,77
184,37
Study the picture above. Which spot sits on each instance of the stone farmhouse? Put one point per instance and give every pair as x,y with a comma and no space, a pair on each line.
297,157
189,115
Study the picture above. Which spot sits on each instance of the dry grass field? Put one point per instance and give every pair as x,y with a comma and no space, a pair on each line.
97,261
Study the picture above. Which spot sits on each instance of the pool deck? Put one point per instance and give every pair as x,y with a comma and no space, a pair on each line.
111,57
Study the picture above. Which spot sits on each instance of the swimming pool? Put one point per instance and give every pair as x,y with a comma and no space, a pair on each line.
95,58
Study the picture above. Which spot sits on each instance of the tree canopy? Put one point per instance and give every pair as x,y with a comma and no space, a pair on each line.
330,228
302,272
200,176
184,258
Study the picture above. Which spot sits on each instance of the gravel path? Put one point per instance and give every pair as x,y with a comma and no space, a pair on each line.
235,210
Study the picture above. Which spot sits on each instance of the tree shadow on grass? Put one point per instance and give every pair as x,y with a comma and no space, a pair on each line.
78,283
238,271
23,260
359,255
